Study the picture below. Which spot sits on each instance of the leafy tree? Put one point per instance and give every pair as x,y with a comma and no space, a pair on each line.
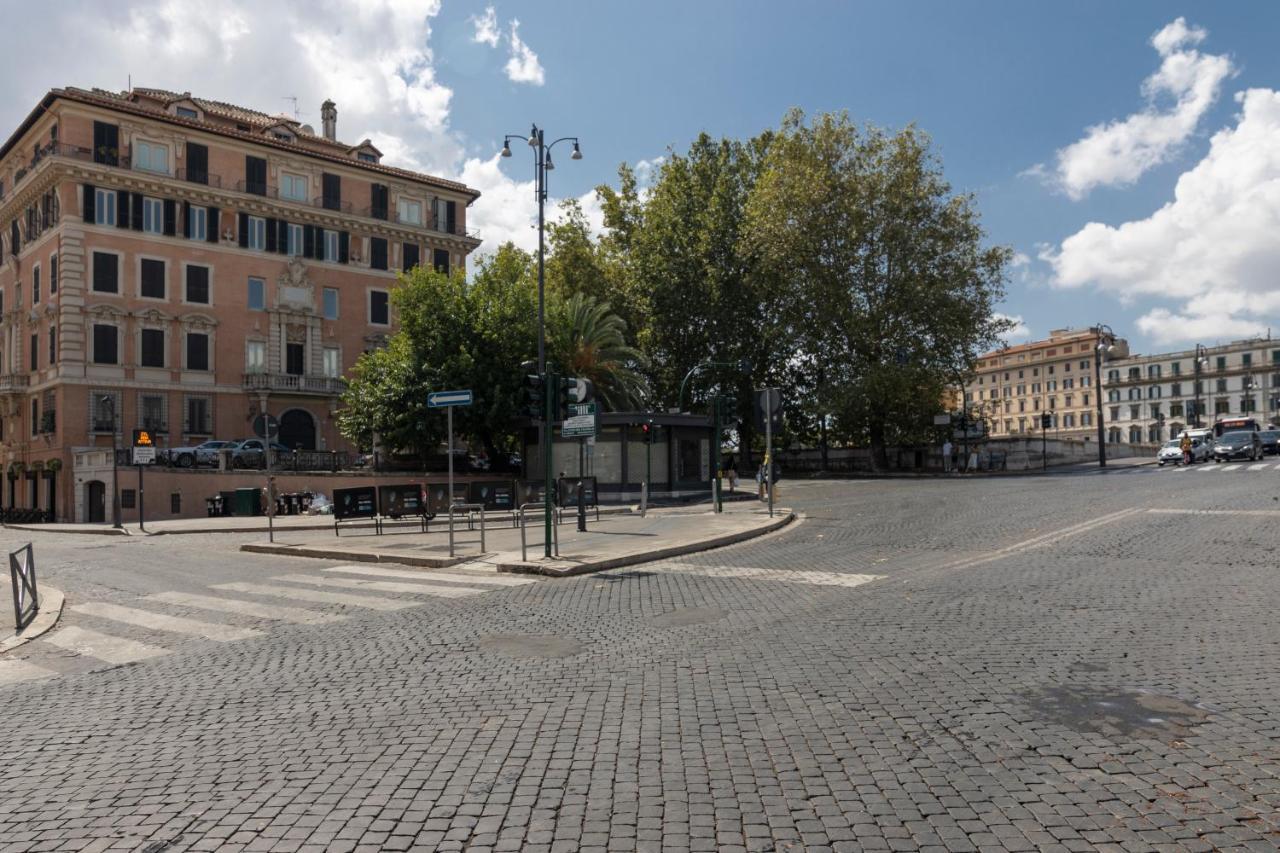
585,339
892,290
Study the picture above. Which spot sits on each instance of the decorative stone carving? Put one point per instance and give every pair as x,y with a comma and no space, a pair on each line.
294,290
296,334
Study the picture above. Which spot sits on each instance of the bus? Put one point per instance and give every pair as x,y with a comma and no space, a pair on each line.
1235,425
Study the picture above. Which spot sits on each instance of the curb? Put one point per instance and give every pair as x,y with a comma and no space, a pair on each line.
569,570
355,556
46,528
966,475
51,601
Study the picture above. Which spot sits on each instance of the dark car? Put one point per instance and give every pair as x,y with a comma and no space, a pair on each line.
1242,444
1270,439
248,453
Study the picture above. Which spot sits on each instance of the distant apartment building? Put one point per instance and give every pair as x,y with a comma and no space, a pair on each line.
1014,387
176,264
1152,398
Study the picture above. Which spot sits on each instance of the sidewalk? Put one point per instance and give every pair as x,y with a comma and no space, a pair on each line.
613,541
1071,468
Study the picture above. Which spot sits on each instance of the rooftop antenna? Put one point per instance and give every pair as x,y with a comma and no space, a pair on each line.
130,82
297,116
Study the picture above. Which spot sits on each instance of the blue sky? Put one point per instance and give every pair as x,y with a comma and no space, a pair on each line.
1000,86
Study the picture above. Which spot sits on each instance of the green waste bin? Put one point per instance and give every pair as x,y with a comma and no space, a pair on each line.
248,502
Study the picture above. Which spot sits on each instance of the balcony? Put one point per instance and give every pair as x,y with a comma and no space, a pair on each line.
200,176
289,383
13,384
255,188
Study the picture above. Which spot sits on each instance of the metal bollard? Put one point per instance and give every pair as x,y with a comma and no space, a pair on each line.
582,510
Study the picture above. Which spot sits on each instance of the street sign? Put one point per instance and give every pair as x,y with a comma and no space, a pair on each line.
941,420
266,426
143,438
581,421
768,409
442,399
144,455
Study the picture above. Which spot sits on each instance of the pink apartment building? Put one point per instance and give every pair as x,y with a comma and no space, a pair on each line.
173,263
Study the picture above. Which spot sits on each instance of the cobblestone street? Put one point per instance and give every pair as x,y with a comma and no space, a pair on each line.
1067,662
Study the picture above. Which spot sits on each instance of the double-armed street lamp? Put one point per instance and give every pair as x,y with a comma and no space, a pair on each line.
1201,361
1106,345
542,163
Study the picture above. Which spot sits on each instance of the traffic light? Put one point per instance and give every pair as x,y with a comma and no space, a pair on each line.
647,429
1046,420
566,386
535,394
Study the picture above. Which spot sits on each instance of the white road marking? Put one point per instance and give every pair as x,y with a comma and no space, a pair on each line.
13,671
1211,466
318,596
386,586
1260,467
493,579
164,622
845,579
101,646
1043,539
246,608
1261,513
1230,467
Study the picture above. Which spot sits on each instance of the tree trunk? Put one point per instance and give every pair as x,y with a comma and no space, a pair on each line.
879,454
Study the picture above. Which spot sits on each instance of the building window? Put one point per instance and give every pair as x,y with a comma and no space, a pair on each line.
331,190
105,344
293,187
255,357
295,359
257,294
197,285
1221,407
53,274
153,216
104,411
150,157
35,285
1246,359
1115,413
53,344
104,207
106,273
1247,404
35,352
440,260
198,415
197,351
152,273
332,362
257,233
255,175
331,246
35,416
152,342
366,157
153,412
197,223
1222,362
410,211
186,112
379,313
378,253
1175,410
408,256
1222,385
295,239
331,303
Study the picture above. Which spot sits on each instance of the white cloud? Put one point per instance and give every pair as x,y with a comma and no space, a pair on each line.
1117,153
1213,248
1019,331
486,27
523,65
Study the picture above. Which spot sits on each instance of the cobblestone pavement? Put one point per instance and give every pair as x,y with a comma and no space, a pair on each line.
1061,663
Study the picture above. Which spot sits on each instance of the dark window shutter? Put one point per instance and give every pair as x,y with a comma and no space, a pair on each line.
212,218
378,253
198,285
105,341
197,351
282,237
344,247
409,257
89,197
452,213
271,235
308,241
135,216
242,230
331,189
122,208
152,348
105,270
255,175
197,163
320,241
186,219
152,279
53,274
170,217
440,260
378,201
106,143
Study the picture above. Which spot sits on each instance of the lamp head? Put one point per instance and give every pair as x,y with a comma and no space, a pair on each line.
577,152
506,148
533,136
549,164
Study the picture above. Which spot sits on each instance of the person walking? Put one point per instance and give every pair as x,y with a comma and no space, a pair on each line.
947,450
1185,444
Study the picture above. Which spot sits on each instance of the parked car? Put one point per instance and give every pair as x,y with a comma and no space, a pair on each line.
1170,452
248,453
205,453
1270,441
1242,444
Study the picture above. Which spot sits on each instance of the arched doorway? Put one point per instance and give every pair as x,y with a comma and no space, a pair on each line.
95,501
298,430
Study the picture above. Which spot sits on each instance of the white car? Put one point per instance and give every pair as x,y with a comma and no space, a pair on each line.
1172,452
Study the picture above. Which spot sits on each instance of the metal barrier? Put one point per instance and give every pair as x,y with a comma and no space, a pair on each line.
555,529
469,510
26,602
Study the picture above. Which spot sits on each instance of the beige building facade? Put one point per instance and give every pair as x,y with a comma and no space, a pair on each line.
177,264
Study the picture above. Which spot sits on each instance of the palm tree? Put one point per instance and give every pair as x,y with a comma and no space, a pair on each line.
586,339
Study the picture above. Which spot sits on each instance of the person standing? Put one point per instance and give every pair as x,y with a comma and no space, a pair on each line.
1185,444
947,450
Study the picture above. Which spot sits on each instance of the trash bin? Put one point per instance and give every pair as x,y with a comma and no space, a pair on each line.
247,502
210,505
226,502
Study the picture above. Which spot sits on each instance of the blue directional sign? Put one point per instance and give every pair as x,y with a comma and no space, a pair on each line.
441,399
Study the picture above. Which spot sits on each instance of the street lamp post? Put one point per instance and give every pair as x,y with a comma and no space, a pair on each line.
1106,344
108,400
1202,358
542,163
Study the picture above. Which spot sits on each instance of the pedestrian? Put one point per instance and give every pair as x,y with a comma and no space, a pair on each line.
733,477
947,450
1185,444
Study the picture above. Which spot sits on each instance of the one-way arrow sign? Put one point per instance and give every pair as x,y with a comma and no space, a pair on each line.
441,399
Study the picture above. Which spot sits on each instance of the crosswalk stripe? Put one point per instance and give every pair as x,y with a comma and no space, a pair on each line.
1261,467
386,586
494,579
101,646
1210,467
13,671
845,579
1230,467
316,595
164,622
246,608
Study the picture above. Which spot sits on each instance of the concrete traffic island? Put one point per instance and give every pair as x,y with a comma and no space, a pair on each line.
614,540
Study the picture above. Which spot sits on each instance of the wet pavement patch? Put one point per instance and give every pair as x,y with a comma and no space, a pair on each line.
1118,714
689,616
531,645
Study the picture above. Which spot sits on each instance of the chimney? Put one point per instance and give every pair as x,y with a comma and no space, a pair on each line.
329,116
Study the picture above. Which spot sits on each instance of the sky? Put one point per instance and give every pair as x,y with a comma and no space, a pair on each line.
1128,153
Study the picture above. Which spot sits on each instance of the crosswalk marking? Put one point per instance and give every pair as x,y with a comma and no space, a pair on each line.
317,595
845,579
1230,467
13,671
494,579
164,622
440,590
1259,467
246,608
101,646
